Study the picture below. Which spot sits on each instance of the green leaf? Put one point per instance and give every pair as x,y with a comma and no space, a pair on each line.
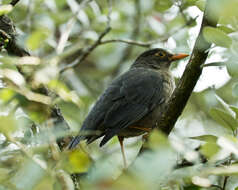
60,3
157,139
45,183
37,111
201,4
214,64
162,5
225,106
225,29
232,66
190,2
37,38
7,124
4,172
8,62
206,138
6,94
235,90
79,161
192,187
223,118
217,36
209,149
5,9
235,109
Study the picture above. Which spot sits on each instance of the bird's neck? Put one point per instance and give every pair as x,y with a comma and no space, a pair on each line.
161,69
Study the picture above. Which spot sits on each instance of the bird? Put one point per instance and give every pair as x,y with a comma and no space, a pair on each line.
132,103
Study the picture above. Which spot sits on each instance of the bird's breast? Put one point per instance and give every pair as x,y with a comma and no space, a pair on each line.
168,84
148,122
168,88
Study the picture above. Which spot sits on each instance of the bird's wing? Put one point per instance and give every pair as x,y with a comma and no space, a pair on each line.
128,99
90,127
139,93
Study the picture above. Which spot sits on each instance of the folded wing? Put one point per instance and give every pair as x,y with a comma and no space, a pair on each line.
127,100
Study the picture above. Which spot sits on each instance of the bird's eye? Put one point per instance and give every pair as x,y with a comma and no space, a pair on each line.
160,54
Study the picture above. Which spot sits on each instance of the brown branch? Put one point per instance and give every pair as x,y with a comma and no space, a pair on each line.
7,32
99,41
149,43
74,50
87,52
191,74
14,2
225,182
95,44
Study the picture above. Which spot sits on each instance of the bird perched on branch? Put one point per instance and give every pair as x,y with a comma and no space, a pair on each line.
132,103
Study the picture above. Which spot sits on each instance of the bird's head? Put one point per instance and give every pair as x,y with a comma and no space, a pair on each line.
157,58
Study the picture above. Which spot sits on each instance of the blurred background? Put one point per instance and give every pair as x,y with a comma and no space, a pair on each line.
76,48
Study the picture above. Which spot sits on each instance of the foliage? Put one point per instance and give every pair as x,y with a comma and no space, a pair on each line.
202,150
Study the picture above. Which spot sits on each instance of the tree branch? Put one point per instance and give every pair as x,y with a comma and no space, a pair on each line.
74,50
191,74
95,44
7,32
14,2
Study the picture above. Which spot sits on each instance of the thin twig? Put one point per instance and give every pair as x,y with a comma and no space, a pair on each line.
65,35
226,177
87,52
128,41
95,44
149,43
69,26
102,42
225,182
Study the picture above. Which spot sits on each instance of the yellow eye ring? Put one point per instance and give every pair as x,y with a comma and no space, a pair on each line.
160,54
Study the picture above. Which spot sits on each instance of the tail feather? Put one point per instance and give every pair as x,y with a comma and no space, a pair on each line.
76,140
108,135
105,139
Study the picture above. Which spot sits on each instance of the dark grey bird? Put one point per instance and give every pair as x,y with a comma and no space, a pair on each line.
131,104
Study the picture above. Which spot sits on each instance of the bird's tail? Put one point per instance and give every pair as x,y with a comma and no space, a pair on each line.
75,141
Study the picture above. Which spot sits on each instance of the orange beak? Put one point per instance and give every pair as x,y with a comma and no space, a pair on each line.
178,56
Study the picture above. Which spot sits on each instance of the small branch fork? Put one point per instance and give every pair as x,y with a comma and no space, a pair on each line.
100,40
95,44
